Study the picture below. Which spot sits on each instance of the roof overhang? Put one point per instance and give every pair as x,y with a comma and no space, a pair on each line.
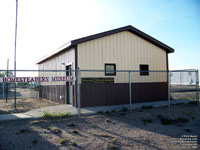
56,52
126,28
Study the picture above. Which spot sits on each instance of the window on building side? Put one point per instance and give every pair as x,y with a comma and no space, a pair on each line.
144,70
110,69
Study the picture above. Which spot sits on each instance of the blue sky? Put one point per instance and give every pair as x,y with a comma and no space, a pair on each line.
45,25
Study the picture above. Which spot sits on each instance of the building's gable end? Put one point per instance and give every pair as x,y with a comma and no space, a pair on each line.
126,28
124,49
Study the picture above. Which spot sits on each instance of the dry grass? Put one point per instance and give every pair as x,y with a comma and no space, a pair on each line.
23,105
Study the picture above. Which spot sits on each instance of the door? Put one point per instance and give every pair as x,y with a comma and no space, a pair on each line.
69,86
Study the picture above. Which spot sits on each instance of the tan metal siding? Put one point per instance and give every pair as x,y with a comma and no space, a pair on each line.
128,51
55,63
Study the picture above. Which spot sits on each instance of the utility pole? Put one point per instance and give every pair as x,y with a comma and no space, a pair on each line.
15,48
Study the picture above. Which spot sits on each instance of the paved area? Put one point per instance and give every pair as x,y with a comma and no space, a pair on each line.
37,113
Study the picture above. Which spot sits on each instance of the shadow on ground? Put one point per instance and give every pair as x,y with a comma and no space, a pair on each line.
121,129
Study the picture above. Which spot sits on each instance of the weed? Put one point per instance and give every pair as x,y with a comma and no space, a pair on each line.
91,125
140,110
189,114
111,147
168,121
113,110
23,130
107,112
193,118
187,130
56,130
145,121
75,131
71,125
107,120
146,107
62,141
102,135
48,115
114,141
105,135
193,103
182,120
100,112
65,115
122,114
34,141
94,134
74,144
179,104
34,122
165,121
179,125
124,109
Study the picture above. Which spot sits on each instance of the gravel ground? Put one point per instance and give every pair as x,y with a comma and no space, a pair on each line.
23,105
141,129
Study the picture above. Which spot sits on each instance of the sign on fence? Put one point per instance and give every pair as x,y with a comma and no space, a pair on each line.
37,79
97,80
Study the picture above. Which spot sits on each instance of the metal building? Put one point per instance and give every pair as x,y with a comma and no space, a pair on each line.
125,48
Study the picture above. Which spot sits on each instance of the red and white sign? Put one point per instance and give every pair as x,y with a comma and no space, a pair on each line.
37,79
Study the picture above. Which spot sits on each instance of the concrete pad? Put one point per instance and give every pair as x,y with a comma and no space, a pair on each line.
13,116
38,113
133,106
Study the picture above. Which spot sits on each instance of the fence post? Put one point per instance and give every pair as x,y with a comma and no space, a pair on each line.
70,88
7,90
168,79
15,96
3,90
78,91
197,85
130,94
6,82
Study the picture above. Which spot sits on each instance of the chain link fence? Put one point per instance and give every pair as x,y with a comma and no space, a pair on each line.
74,90
184,85
33,90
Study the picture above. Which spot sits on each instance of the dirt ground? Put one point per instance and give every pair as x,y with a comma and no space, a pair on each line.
23,105
185,92
141,129
183,95
27,100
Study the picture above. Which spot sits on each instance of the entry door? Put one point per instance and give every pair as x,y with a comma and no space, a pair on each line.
69,86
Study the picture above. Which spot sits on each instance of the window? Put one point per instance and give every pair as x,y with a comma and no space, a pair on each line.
110,69
144,70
